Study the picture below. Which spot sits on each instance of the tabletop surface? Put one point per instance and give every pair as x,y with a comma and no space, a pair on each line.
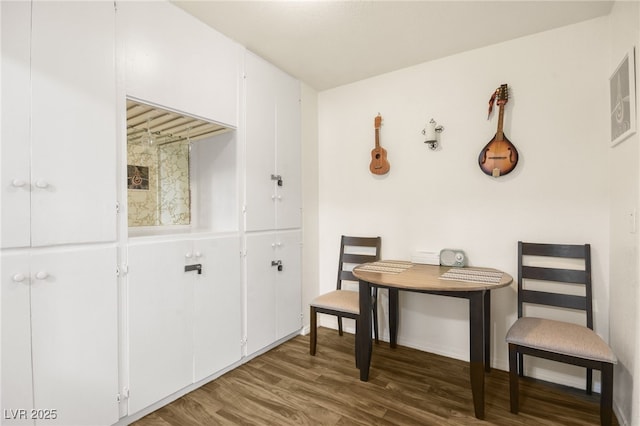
421,277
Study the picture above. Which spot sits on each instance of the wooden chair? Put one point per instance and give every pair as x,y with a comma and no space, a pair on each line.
558,340
345,303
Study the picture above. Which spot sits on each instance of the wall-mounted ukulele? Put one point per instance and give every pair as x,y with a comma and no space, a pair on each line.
379,164
499,157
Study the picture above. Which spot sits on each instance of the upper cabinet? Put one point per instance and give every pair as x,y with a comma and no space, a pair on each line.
58,141
173,60
273,176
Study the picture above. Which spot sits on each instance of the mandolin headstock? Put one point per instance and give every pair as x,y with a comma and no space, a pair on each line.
503,94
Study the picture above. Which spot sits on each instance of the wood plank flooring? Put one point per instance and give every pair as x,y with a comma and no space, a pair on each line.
287,386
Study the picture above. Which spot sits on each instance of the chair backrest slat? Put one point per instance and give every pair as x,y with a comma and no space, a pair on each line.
554,250
555,299
358,258
551,275
347,276
352,254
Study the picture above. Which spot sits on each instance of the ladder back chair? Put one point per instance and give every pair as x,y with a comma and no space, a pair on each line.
554,286
344,303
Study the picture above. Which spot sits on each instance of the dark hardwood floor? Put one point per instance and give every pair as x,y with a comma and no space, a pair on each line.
287,386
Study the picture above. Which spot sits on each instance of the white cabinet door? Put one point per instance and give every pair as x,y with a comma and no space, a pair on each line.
288,158
175,61
160,321
74,315
273,293
260,140
217,329
261,294
17,392
73,122
288,283
15,147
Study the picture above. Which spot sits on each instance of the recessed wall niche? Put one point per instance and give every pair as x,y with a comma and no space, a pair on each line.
165,180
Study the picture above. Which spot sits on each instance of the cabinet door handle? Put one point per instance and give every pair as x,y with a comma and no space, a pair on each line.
277,263
42,184
18,183
42,275
19,277
277,178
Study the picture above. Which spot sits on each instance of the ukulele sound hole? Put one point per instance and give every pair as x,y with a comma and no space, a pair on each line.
377,156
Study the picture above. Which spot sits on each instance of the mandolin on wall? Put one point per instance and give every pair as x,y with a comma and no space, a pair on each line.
499,157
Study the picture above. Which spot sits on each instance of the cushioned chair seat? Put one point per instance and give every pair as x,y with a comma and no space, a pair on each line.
340,300
560,337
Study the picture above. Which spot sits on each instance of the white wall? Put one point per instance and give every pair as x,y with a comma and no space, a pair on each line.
557,117
624,189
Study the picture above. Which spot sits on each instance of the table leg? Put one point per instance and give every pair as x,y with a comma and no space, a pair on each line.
487,331
476,349
393,317
363,331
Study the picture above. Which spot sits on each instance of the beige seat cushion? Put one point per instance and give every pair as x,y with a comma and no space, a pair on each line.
339,300
560,337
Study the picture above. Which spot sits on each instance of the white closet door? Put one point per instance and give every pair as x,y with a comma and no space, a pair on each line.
288,163
160,321
74,314
73,123
288,284
260,144
15,148
261,293
16,338
217,330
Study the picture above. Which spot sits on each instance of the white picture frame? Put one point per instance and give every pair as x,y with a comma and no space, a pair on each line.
622,95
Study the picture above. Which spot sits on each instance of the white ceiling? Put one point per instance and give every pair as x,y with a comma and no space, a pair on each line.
331,43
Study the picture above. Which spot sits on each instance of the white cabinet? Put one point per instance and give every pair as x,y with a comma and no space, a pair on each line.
59,153
60,335
272,127
272,203
183,326
273,287
178,62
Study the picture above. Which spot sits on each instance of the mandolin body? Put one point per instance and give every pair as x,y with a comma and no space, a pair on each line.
499,157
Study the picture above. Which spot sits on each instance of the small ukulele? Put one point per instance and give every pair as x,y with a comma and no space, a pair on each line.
499,157
379,164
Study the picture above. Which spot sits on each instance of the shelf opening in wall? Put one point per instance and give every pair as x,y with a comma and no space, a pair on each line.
164,178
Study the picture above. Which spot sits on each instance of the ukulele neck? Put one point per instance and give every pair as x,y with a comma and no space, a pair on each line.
377,138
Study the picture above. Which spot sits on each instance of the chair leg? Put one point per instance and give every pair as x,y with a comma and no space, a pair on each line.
521,365
356,346
340,325
606,394
313,338
589,381
513,377
375,314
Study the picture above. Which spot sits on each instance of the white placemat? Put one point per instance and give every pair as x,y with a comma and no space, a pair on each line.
472,275
386,267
